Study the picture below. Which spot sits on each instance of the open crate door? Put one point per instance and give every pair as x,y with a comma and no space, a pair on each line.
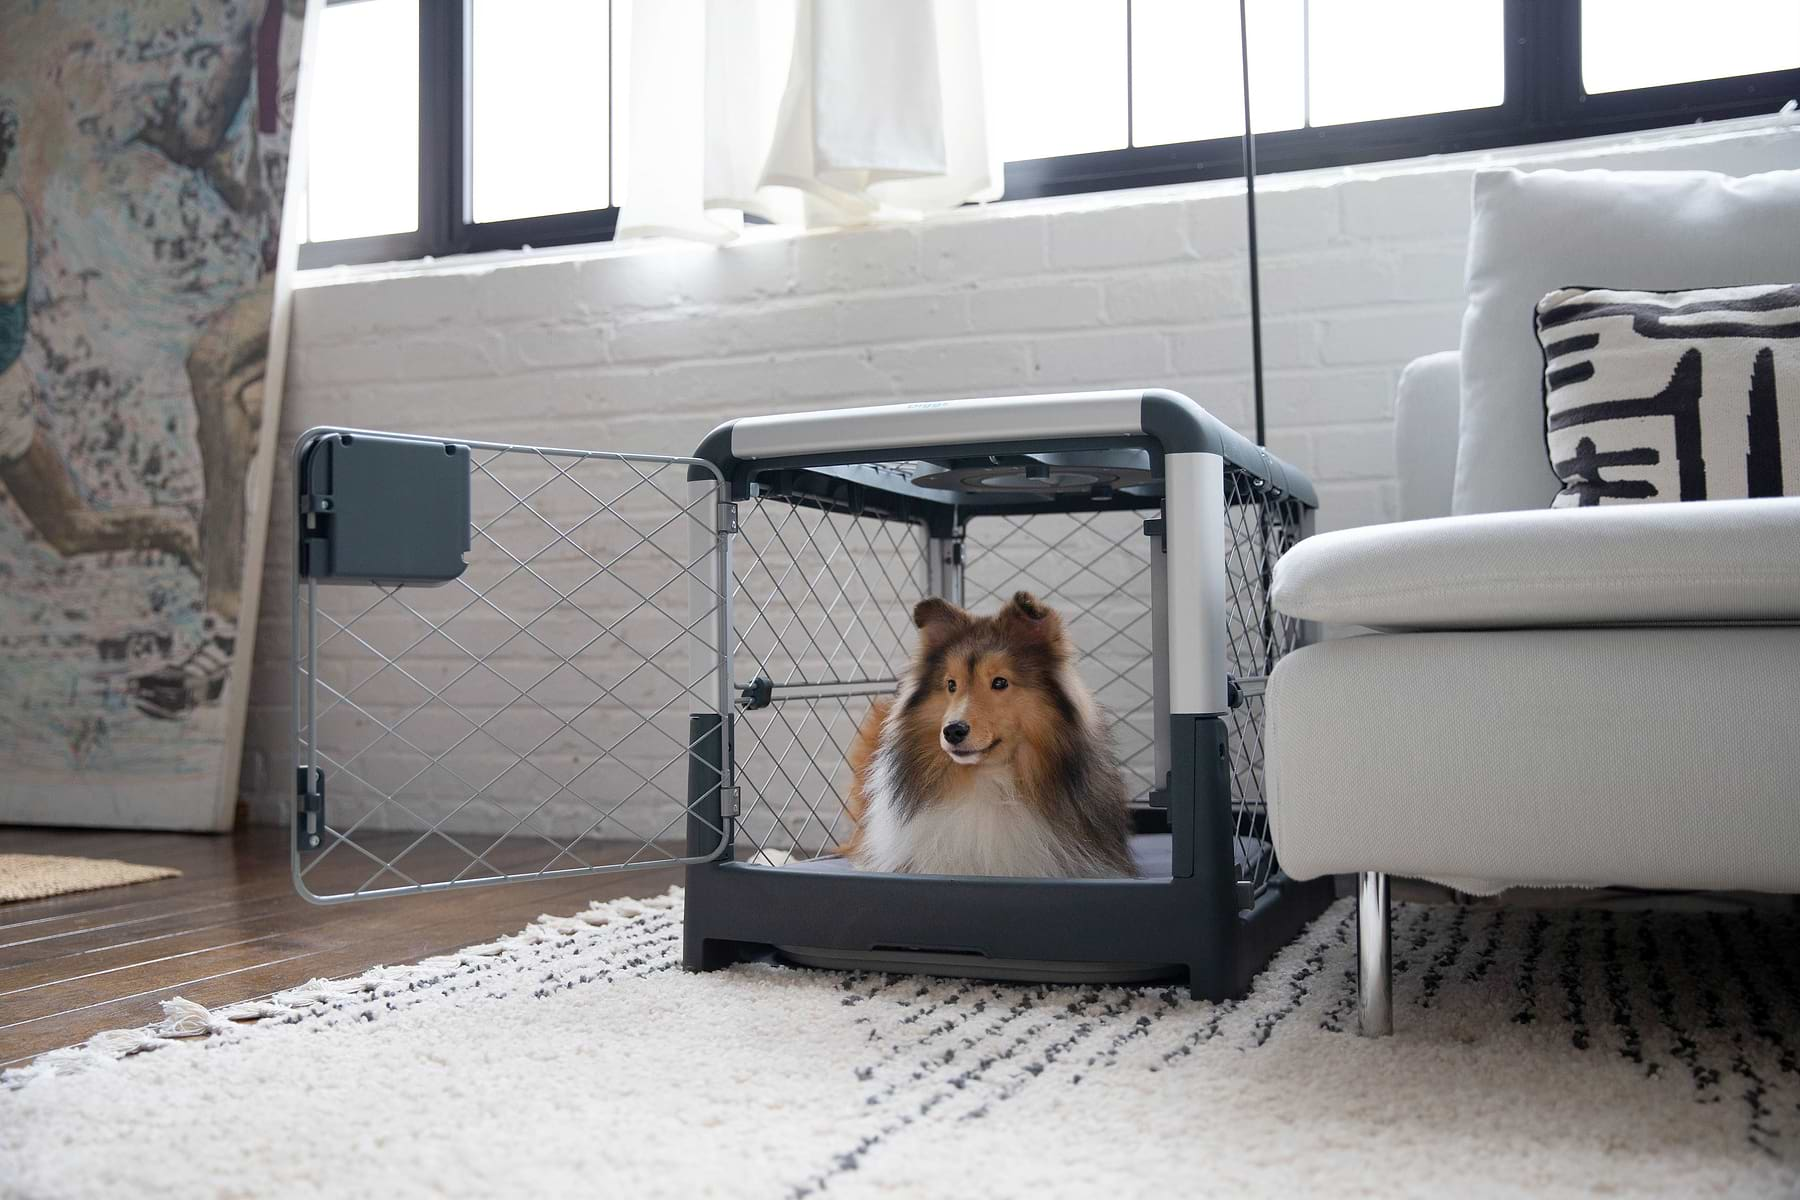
507,663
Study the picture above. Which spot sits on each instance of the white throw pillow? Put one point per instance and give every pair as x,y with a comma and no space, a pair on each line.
1532,233
1660,396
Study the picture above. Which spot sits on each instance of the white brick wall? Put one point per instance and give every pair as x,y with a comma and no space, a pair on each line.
645,349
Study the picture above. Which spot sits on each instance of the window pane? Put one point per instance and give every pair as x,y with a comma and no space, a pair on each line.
539,107
1643,43
1187,81
363,139
1055,75
1398,58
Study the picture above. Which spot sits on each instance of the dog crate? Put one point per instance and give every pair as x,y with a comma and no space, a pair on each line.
518,662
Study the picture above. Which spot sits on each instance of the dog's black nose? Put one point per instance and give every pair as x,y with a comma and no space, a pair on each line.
955,732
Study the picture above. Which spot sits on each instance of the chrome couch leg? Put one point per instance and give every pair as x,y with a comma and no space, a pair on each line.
1374,957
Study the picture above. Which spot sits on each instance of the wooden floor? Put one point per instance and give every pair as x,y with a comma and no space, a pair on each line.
230,928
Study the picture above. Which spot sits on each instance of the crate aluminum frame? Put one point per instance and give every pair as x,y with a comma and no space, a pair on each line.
1214,495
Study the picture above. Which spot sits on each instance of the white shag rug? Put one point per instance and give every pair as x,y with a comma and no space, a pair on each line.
1563,1053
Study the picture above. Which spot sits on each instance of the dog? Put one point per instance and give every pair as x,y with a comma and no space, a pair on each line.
991,758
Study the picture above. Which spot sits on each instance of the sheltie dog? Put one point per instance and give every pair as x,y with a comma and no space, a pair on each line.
991,758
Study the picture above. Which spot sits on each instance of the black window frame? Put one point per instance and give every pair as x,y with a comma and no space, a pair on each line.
1545,102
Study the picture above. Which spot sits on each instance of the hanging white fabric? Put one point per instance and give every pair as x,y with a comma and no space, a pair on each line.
820,112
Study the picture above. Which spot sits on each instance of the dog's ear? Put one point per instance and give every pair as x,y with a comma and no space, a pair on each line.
1027,616
938,620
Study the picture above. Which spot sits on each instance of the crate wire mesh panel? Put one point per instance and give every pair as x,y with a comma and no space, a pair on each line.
528,717
1258,529
823,605
1094,569
822,602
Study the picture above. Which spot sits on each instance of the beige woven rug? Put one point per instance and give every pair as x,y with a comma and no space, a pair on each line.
35,876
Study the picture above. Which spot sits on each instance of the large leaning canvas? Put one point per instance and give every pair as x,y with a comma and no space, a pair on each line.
143,168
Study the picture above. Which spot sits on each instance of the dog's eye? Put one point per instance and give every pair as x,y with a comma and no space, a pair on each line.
950,684
1000,684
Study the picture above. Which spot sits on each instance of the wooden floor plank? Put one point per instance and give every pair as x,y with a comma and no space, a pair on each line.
95,843
73,943
77,1024
404,943
26,1008
152,903
232,928
63,973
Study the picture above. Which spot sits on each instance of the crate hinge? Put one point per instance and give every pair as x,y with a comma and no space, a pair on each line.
728,517
731,796
317,510
309,824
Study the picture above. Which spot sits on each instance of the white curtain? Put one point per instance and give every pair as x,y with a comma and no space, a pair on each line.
820,112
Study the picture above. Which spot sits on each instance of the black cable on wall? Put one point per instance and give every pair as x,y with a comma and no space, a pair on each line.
1256,365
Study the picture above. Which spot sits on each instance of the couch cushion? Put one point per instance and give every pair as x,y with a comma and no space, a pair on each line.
1532,233
1645,757
1723,560
1425,426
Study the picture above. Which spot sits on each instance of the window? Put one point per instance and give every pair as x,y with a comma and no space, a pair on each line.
448,126
1345,81
540,113
451,126
1402,59
364,156
1065,80
1628,44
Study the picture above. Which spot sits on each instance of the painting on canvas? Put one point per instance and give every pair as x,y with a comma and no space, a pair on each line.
143,165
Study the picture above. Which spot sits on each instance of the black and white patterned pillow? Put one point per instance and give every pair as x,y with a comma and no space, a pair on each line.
1653,396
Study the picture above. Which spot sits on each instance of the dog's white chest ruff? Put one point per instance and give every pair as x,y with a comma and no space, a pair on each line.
985,830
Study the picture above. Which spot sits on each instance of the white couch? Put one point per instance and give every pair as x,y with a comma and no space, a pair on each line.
1599,696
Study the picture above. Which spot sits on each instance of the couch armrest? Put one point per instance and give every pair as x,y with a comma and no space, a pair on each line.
1628,564
1427,413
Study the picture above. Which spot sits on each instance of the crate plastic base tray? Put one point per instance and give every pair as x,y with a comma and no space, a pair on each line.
977,966
1152,854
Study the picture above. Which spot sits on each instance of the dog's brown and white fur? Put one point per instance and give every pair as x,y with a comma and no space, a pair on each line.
992,758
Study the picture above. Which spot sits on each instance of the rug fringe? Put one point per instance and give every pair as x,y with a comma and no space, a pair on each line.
183,1018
